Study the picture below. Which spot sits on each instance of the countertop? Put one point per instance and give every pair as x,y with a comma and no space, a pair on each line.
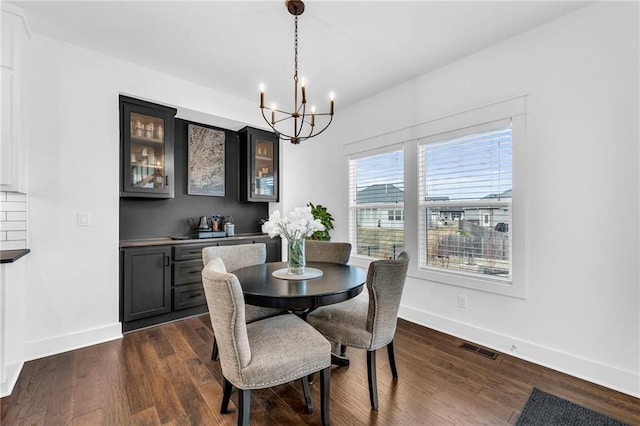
164,241
10,256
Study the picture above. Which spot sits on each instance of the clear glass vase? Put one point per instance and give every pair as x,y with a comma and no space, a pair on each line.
296,260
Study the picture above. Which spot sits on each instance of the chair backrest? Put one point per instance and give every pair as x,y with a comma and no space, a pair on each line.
385,283
326,251
237,256
226,309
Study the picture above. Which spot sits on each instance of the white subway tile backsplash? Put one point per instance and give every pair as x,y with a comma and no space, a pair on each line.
16,235
13,206
13,245
14,216
13,221
16,196
13,226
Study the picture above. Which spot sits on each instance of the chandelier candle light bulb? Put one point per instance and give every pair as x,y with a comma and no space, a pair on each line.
262,96
294,228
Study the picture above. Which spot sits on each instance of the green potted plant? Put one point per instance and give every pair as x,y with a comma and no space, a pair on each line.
320,212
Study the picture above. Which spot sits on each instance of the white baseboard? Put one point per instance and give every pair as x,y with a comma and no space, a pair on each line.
624,381
12,372
54,345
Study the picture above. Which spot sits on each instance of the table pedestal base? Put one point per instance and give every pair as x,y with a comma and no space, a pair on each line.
339,360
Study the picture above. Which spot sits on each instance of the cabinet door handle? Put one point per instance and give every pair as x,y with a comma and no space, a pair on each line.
166,180
167,261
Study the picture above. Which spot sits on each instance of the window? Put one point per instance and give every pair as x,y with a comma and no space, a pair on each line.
461,225
465,187
376,184
396,215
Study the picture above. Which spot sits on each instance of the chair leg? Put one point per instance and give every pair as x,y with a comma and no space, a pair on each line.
226,396
307,394
244,406
214,351
392,360
343,350
325,382
371,374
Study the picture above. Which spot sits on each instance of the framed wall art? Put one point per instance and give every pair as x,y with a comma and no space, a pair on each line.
205,171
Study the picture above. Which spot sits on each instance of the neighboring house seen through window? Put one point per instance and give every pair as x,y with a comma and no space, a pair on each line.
376,189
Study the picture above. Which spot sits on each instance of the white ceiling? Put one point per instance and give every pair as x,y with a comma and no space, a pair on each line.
353,48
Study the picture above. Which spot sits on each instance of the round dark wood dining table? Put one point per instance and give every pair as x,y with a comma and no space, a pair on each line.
336,284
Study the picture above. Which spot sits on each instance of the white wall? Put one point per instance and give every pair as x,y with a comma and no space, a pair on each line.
581,315
72,280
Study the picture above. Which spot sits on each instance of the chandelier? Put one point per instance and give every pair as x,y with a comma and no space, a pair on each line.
304,121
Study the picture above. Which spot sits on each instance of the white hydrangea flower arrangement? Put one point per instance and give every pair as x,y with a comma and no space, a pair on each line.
295,228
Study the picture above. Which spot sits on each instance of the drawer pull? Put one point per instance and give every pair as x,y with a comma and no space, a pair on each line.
193,296
195,272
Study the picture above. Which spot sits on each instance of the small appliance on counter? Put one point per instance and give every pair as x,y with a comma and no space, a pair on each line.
229,227
209,228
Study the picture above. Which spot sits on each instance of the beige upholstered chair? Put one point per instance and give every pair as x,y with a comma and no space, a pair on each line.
368,324
236,257
264,353
326,251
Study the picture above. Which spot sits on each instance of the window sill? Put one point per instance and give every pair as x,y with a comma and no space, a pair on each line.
502,286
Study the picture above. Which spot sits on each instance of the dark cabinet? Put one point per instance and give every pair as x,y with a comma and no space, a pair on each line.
146,149
146,283
259,166
164,283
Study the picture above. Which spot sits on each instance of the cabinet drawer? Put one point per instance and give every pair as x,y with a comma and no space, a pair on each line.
186,272
187,296
187,252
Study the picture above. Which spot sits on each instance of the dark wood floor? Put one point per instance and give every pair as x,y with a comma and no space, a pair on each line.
164,375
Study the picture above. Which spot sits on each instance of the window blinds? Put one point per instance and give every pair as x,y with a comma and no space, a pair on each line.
472,167
378,179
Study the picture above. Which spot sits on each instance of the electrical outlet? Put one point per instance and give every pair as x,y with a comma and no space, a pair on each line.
462,301
83,219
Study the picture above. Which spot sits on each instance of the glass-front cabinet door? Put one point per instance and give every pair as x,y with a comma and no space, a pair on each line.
259,165
146,149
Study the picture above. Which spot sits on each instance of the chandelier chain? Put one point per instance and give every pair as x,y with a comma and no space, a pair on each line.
295,48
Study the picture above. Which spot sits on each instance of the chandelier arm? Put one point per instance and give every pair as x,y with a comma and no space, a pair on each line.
311,134
268,122
323,129
275,122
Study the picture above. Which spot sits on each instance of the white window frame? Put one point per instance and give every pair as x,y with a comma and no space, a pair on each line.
514,109
451,276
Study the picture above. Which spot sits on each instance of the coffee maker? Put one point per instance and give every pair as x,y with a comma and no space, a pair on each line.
209,227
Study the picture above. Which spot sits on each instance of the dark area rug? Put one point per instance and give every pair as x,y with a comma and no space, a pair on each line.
545,409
